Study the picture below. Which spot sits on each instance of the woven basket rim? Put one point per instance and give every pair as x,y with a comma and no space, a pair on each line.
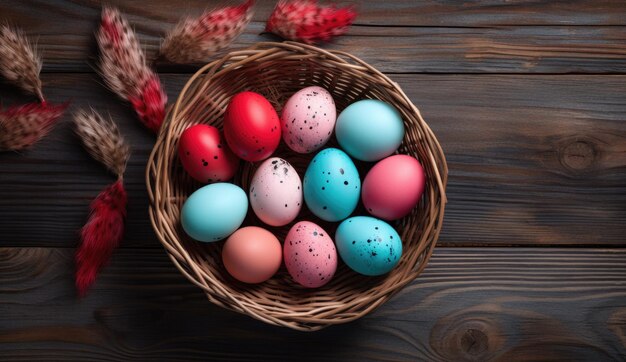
267,311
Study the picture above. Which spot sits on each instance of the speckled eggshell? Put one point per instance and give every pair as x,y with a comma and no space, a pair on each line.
276,192
332,186
205,156
368,245
308,119
310,255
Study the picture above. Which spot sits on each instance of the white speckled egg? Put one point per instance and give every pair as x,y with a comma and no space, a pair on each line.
310,255
308,119
276,192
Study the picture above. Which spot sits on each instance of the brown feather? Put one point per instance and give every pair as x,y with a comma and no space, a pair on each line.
19,62
196,39
124,69
103,140
22,126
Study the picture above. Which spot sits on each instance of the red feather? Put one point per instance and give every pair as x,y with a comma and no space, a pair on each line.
125,71
305,20
22,126
150,104
196,39
101,235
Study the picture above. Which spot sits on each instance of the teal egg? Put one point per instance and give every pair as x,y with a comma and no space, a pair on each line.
213,212
368,245
369,130
331,185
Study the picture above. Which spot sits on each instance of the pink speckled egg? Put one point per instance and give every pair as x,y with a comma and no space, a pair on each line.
310,255
276,192
308,119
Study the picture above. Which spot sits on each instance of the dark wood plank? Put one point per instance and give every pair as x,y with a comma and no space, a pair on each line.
533,160
394,12
64,31
469,305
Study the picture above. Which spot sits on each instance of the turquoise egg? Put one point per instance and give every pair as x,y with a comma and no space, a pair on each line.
213,212
331,185
369,130
368,245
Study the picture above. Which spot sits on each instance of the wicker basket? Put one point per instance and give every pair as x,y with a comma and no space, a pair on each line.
277,70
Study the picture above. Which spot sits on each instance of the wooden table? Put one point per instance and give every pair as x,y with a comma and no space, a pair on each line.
528,99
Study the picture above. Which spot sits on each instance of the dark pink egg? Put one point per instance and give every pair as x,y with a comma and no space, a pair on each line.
393,187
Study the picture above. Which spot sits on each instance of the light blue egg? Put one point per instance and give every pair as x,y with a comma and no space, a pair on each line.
213,212
332,185
369,130
368,245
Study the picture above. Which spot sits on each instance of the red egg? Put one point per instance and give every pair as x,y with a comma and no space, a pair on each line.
205,156
393,187
251,126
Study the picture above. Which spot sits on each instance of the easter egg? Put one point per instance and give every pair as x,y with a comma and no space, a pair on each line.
276,192
252,254
367,245
308,119
331,185
251,126
393,187
369,130
310,255
205,156
214,211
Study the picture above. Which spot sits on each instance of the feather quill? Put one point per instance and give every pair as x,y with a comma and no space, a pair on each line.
196,39
306,21
19,62
104,229
124,69
22,126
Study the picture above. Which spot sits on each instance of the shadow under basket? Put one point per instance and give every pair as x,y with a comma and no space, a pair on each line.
277,70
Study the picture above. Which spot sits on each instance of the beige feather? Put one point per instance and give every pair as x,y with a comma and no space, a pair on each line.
19,62
196,39
122,61
124,69
103,140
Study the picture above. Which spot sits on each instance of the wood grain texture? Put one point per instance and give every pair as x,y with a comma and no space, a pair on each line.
533,160
514,304
377,13
64,31
536,159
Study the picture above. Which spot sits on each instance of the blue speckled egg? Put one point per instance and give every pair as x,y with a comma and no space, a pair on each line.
368,245
332,185
369,130
213,212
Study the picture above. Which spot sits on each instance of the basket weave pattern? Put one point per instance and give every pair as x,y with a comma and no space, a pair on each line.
277,70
